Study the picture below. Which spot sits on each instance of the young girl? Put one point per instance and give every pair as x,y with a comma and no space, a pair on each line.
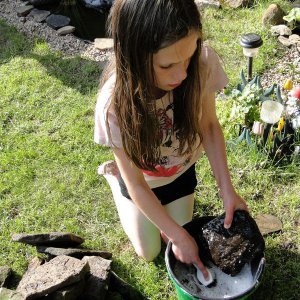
156,110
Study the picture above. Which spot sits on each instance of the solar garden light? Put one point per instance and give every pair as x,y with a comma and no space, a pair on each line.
250,43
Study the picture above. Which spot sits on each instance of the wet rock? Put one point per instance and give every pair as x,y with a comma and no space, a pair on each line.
74,252
57,21
51,276
23,11
5,273
38,15
280,30
59,239
268,224
65,30
6,294
98,281
230,249
273,15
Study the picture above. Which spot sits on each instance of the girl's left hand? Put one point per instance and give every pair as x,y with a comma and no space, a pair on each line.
232,202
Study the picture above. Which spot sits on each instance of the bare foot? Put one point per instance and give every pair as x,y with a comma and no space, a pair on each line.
108,168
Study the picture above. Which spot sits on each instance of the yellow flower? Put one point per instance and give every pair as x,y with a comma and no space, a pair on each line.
280,124
288,85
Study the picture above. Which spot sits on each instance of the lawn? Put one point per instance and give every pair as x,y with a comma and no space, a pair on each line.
48,161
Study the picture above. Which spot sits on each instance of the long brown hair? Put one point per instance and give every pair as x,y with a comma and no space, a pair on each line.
139,29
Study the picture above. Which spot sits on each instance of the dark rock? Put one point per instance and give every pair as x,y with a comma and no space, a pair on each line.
74,252
23,11
38,15
123,288
61,271
98,281
57,21
43,2
230,249
268,224
71,292
6,294
5,273
56,239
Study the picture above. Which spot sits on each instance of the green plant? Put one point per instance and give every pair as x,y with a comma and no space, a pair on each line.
248,97
293,18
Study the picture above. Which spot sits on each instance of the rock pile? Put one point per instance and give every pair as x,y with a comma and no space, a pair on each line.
69,272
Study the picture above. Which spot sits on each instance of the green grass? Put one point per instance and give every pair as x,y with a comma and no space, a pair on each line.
48,161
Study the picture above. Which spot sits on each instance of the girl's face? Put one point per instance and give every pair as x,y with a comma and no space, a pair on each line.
170,63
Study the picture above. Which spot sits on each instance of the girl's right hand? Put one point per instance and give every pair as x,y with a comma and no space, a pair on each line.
185,249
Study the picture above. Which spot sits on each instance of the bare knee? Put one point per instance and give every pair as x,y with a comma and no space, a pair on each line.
148,254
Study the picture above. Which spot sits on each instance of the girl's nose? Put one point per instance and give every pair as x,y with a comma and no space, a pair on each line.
181,72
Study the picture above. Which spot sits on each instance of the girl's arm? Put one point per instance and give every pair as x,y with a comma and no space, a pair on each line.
184,246
214,145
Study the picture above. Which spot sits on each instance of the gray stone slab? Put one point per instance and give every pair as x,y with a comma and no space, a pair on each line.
59,272
5,273
71,292
66,30
57,21
98,281
23,11
55,239
74,252
268,224
6,294
38,15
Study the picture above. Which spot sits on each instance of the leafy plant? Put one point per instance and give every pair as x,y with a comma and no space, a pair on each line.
248,97
293,17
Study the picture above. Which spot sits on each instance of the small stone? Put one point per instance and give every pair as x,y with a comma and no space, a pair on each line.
294,38
273,15
5,272
208,3
59,239
74,252
57,21
280,30
23,11
238,3
97,283
65,30
268,224
59,272
38,15
103,44
285,41
6,294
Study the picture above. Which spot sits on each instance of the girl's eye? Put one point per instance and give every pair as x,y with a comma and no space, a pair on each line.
166,67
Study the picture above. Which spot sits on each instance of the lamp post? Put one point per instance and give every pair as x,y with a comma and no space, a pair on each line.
250,43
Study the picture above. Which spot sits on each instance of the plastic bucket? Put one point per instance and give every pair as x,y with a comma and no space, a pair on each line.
257,267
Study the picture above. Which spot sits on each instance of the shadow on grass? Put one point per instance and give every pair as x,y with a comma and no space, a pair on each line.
281,277
75,72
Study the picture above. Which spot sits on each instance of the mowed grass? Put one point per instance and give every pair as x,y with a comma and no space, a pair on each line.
48,163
